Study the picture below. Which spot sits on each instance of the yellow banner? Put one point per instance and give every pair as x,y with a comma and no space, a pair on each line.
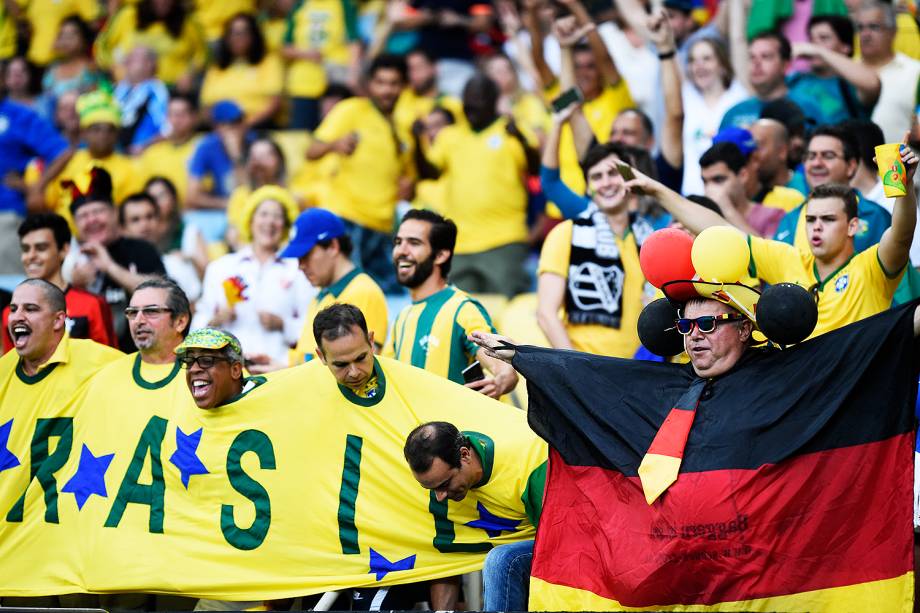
294,488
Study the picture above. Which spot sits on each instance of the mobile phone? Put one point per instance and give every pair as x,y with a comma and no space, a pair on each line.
566,98
473,372
625,171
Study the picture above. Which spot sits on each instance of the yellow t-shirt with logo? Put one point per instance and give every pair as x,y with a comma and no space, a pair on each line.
355,288
176,57
856,290
251,86
411,106
45,17
362,188
486,195
595,338
432,333
327,26
600,113
166,159
125,179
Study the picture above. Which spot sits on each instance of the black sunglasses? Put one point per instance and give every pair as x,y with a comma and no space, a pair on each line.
204,361
706,323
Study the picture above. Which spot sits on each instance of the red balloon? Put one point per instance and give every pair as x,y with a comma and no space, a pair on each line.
665,256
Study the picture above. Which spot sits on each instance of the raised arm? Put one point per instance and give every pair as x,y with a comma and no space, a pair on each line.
672,142
605,63
894,246
694,217
862,77
635,16
531,21
737,40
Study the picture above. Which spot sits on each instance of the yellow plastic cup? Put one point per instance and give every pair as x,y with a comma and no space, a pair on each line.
891,170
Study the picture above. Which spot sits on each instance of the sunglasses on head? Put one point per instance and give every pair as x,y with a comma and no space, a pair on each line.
706,324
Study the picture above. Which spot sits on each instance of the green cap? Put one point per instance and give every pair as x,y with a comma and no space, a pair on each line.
209,338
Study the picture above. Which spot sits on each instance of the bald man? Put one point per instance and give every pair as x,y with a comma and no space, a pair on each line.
773,165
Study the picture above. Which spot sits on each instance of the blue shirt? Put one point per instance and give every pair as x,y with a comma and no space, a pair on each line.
835,98
873,221
210,159
748,111
23,135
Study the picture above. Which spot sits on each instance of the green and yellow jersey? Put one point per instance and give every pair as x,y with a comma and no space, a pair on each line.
327,26
356,288
432,333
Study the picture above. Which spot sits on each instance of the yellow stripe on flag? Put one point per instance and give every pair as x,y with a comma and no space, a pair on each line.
657,472
886,595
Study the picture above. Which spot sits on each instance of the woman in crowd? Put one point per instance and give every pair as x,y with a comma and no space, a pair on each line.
244,71
708,92
253,293
22,81
73,69
162,25
264,161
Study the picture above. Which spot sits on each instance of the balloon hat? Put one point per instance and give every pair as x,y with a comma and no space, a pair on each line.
711,266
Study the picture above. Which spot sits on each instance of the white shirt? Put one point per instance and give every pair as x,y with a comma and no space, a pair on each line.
701,123
894,110
640,68
277,287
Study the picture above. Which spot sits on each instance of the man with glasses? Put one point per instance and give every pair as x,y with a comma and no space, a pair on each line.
847,284
899,74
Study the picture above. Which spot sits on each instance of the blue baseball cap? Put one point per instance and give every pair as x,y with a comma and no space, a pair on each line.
740,137
311,227
226,111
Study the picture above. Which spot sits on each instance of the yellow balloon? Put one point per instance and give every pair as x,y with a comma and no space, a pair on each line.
720,254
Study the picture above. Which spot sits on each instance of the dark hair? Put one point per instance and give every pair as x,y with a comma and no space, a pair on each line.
442,236
136,197
222,56
86,32
838,190
276,148
336,321
389,61
647,123
173,21
167,183
176,300
850,146
52,221
344,241
422,52
53,293
868,135
192,101
726,152
34,85
338,90
785,49
448,116
598,153
706,202
840,24
435,439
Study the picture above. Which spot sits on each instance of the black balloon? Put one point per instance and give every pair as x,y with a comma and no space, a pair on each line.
657,331
786,313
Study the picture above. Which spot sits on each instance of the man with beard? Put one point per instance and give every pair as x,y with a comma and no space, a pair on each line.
432,332
371,170
485,166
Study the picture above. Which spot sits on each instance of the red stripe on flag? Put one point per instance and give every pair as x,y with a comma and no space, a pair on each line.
821,520
672,435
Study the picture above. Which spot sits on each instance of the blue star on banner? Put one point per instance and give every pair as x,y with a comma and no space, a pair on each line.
382,566
90,476
7,459
492,524
185,457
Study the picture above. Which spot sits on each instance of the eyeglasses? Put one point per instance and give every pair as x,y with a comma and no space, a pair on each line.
827,156
150,312
205,362
706,324
871,27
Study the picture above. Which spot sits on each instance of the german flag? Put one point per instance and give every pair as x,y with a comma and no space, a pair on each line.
794,491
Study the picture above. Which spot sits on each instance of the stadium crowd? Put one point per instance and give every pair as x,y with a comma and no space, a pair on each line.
449,167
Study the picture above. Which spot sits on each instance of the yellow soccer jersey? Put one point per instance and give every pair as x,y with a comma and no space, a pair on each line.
858,289
213,14
363,189
168,160
600,113
485,174
411,106
125,179
356,288
782,197
327,26
45,17
432,333
44,396
530,113
176,57
595,338
252,87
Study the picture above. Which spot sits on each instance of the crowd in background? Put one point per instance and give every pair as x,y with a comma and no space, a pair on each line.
220,122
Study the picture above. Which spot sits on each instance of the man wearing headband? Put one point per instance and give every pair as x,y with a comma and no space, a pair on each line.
213,360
